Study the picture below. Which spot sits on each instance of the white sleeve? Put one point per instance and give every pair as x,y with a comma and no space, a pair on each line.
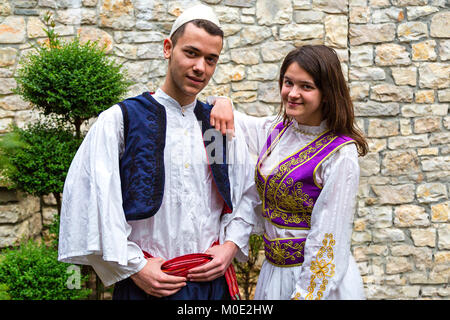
255,130
238,225
93,228
327,247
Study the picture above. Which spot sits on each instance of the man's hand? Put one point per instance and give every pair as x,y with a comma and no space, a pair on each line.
154,282
222,257
222,117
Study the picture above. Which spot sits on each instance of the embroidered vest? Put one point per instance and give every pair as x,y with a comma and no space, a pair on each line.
142,162
290,191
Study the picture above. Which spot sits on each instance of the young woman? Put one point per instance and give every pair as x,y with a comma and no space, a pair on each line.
307,177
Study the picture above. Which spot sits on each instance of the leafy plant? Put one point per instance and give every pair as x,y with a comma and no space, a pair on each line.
32,272
247,273
36,159
71,80
4,292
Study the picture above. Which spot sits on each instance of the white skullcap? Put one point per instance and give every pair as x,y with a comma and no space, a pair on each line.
197,12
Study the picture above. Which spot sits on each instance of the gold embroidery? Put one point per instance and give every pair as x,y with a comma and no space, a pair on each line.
297,296
279,251
321,268
285,200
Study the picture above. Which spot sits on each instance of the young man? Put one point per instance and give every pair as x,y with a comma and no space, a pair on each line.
153,181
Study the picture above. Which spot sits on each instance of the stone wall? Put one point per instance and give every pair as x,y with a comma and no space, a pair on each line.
395,54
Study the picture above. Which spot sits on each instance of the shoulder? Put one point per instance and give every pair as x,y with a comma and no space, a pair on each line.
265,123
112,114
345,153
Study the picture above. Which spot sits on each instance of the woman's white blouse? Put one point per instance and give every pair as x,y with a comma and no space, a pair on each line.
93,228
333,275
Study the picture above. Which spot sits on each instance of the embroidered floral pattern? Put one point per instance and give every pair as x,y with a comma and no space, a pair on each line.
297,296
287,252
322,267
285,203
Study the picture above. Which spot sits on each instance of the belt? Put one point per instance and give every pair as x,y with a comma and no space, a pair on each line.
180,266
284,252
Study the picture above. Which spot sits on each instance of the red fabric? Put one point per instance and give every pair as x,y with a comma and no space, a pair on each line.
180,266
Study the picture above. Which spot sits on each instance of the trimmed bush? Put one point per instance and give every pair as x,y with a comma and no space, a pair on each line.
36,159
71,80
32,272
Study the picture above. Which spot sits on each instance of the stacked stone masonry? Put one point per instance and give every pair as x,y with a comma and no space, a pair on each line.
395,55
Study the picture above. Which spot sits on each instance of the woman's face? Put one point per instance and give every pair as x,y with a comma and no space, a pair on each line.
301,97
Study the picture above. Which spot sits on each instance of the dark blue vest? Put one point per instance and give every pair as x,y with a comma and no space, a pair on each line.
142,163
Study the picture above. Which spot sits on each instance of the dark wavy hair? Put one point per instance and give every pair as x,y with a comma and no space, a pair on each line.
322,63
208,26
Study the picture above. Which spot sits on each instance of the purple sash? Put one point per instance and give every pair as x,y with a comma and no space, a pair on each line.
290,191
288,252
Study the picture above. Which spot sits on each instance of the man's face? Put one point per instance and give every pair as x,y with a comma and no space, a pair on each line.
191,63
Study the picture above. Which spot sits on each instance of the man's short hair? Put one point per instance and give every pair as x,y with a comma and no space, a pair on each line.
208,26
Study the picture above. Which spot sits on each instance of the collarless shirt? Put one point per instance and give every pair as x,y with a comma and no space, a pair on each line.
93,229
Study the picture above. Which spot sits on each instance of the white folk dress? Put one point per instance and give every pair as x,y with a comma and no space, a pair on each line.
322,276
93,228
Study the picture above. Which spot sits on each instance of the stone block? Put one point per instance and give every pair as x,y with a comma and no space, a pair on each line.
367,73
403,162
370,164
424,51
440,25
434,75
301,32
440,212
427,124
424,237
395,265
444,237
371,33
383,128
409,215
226,73
13,30
390,54
117,14
439,164
336,28
389,92
361,56
247,56
398,194
8,56
273,12
412,31
404,76
273,51
263,71
405,142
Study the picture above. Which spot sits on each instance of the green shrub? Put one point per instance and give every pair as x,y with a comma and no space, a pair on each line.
32,272
247,273
36,159
72,80
4,292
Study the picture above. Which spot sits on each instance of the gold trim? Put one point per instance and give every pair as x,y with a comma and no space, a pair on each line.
284,266
332,152
279,251
303,163
265,178
286,227
297,296
270,148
